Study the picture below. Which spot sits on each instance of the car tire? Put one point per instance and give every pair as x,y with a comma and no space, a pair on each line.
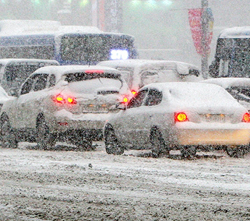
112,145
188,151
45,139
237,152
158,144
8,137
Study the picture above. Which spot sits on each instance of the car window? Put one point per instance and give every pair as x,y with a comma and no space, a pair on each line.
92,83
127,74
138,99
240,93
52,80
27,86
154,97
40,82
148,77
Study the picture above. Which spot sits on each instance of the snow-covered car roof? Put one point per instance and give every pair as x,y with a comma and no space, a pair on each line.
58,71
229,82
236,32
30,27
6,61
145,64
196,95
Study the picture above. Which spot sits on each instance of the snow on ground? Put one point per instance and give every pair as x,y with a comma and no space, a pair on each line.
71,185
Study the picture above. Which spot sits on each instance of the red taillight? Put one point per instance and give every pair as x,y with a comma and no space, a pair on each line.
246,117
125,100
180,117
62,100
59,99
71,100
134,92
94,71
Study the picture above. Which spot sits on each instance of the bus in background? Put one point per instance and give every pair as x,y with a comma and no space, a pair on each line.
232,57
66,44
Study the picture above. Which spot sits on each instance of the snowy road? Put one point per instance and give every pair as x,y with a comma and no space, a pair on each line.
71,185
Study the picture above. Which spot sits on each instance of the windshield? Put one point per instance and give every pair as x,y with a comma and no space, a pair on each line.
235,57
94,48
93,82
240,93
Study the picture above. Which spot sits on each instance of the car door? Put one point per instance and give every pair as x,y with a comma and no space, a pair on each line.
129,124
152,113
31,103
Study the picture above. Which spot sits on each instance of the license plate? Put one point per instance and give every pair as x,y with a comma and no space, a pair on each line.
214,117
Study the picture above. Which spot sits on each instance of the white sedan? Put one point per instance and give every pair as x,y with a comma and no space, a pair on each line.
180,115
62,103
239,88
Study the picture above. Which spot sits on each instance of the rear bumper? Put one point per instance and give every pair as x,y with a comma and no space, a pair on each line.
65,120
227,134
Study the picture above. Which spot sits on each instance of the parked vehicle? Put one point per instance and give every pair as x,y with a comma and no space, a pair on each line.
139,72
62,101
180,115
13,71
239,88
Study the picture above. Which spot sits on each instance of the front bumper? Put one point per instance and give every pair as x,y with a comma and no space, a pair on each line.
213,134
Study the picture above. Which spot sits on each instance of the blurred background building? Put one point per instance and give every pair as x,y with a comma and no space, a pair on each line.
160,27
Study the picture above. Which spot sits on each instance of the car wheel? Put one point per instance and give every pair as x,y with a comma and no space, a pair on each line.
237,152
8,136
188,151
157,144
111,143
45,139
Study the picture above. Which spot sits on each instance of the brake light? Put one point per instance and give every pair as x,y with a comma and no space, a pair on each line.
180,117
61,100
133,92
71,100
94,71
246,118
125,100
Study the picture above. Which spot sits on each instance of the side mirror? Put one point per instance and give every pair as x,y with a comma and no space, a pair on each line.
194,72
121,106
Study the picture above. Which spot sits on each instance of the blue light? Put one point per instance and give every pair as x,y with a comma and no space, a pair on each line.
167,2
119,54
151,3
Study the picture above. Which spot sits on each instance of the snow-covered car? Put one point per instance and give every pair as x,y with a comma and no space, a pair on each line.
139,72
3,97
14,71
182,116
58,102
239,88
